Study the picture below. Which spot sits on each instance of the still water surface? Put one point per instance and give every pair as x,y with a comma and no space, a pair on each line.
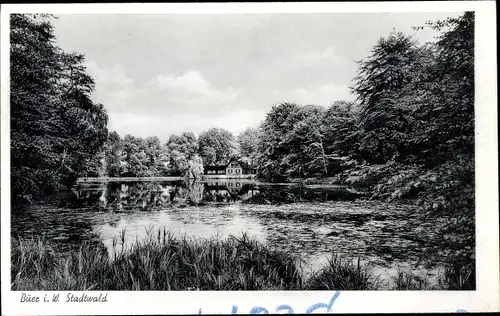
312,222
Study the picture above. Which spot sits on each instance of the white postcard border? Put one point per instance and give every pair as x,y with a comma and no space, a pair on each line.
485,298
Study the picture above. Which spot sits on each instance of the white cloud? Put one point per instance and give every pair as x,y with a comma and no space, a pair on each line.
114,76
165,94
113,87
192,88
238,63
238,120
191,81
322,94
328,57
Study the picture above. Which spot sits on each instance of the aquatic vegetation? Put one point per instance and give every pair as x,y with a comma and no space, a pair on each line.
459,277
407,280
162,262
343,274
166,261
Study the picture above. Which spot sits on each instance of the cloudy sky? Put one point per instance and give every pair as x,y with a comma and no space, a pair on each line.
166,74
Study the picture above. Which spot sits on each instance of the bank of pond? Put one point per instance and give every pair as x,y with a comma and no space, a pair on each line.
168,262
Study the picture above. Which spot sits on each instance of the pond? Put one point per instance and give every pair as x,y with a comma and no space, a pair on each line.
311,222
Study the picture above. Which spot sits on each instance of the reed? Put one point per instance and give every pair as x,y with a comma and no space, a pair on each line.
407,280
164,261
161,262
343,274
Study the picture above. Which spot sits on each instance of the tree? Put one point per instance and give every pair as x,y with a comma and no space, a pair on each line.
114,155
136,160
163,162
273,146
56,130
305,155
380,80
179,163
219,141
209,155
195,167
340,124
181,149
446,104
185,143
248,143
153,153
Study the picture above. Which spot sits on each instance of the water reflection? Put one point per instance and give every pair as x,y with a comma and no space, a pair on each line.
309,222
189,221
147,196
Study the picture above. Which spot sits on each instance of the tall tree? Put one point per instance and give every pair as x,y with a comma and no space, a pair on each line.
181,149
195,167
56,130
273,146
153,154
446,102
114,155
248,143
378,85
306,154
219,141
340,124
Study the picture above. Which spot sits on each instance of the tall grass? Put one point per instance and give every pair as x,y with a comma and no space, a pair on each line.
407,280
459,277
343,274
454,277
161,262
164,261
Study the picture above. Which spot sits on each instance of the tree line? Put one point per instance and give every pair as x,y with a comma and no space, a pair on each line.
181,155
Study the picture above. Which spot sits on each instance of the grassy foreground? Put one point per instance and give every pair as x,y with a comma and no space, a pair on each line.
167,262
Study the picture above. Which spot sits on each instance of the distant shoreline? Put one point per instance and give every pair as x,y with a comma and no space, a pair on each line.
126,179
133,179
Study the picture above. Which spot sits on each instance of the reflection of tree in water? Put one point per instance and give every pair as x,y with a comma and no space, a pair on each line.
117,196
89,196
196,189
234,191
275,194
220,192
147,196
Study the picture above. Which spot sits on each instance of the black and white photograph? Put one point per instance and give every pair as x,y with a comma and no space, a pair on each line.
242,152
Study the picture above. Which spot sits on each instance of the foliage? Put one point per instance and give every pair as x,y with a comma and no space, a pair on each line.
161,262
306,141
217,146
343,274
195,167
340,125
446,110
248,141
379,83
409,136
181,148
273,145
56,130
164,261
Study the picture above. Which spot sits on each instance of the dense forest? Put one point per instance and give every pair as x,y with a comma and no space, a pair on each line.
409,134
